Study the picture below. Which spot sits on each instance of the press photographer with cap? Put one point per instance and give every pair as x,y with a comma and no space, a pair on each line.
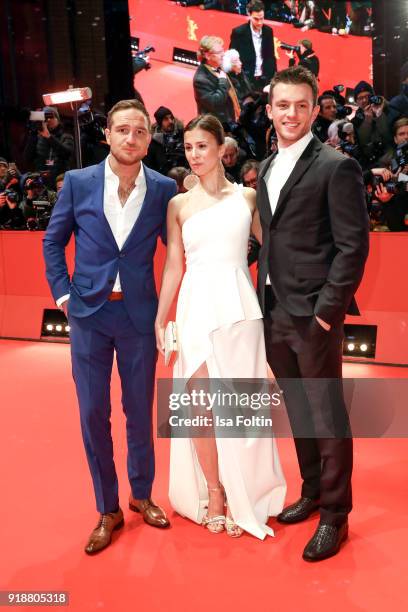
51,148
166,149
371,122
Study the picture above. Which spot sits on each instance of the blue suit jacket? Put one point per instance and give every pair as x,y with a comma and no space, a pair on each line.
98,259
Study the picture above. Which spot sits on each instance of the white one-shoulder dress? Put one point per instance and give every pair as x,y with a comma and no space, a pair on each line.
219,323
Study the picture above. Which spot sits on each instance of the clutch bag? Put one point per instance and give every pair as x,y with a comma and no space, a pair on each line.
171,345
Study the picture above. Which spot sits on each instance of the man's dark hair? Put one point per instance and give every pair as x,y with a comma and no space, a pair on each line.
255,6
124,105
178,173
250,164
295,75
324,96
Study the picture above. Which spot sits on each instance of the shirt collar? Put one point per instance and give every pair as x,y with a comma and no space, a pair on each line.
254,33
110,175
295,150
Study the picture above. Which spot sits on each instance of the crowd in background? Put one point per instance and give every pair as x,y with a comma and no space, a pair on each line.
231,84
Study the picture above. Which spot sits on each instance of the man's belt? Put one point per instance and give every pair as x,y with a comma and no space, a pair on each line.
115,296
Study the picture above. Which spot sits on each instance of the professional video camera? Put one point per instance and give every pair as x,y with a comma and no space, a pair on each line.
36,120
40,203
140,59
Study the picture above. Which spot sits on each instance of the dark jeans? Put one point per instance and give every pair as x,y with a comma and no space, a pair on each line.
299,349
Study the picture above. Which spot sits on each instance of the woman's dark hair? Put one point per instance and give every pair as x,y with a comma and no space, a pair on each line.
208,123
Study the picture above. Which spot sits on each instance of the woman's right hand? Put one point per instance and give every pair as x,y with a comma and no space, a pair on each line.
159,331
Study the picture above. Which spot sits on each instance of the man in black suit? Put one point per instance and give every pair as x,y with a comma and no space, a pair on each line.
254,42
314,221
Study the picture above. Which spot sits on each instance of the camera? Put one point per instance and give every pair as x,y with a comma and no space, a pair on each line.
349,148
287,47
376,100
140,59
36,120
12,196
394,187
43,209
401,156
343,111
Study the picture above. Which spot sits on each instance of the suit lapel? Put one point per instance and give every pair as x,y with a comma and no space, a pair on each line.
306,159
97,189
250,41
263,200
148,204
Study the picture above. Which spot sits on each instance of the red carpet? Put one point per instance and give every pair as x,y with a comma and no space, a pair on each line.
47,512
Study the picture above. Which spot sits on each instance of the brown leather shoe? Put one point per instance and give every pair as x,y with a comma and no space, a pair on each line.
102,534
152,515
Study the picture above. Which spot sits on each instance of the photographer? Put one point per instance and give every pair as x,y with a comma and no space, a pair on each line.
398,106
11,216
391,190
4,177
371,122
36,191
326,116
306,56
49,148
166,149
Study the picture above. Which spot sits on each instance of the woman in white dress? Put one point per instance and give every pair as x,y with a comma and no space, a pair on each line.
220,332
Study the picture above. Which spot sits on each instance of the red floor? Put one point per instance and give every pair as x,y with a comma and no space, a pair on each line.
47,511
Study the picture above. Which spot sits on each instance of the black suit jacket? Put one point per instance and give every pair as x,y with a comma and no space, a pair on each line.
315,245
241,40
211,95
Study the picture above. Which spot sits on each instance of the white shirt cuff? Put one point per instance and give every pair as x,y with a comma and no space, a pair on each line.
62,299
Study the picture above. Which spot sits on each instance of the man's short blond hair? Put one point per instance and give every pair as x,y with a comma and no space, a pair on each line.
206,44
125,105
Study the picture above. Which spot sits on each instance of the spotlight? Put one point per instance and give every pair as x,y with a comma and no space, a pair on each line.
67,328
351,346
69,95
363,347
58,328
50,327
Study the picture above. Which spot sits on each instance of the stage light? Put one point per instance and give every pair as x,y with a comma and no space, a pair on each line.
74,96
351,346
184,56
363,347
67,328
58,328
77,94
50,327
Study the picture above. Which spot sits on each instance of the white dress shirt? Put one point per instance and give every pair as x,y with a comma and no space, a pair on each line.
120,218
280,170
257,40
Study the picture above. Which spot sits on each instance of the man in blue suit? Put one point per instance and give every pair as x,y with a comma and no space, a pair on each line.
116,211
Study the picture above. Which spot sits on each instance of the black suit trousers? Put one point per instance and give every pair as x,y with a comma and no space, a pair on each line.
307,362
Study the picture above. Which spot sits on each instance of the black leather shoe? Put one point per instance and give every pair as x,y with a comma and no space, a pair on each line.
299,511
326,542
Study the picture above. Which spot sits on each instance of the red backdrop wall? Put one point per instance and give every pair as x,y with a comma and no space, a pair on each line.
163,24
382,297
